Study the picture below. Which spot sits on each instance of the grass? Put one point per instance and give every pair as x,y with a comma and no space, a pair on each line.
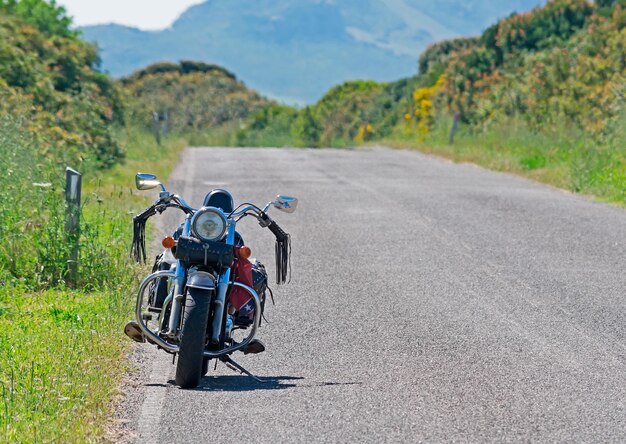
62,358
563,157
279,134
62,350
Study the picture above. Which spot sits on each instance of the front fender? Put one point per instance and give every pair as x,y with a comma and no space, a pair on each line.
201,280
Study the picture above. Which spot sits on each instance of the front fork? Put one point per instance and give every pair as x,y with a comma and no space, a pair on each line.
222,288
179,288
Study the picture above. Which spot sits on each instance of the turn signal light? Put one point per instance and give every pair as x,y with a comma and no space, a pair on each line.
245,252
168,242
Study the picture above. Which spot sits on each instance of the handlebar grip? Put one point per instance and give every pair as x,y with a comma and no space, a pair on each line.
278,232
274,228
283,249
151,211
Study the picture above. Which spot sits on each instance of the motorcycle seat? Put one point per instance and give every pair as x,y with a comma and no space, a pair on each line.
221,199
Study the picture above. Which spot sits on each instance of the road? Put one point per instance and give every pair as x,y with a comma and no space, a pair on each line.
430,301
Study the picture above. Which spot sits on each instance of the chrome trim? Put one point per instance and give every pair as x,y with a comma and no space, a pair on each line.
222,288
172,348
166,303
201,280
147,181
286,204
255,326
199,213
184,204
138,310
243,210
179,288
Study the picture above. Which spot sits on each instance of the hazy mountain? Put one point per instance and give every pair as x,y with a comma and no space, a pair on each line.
295,50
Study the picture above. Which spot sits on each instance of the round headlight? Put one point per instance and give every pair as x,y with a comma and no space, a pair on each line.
209,224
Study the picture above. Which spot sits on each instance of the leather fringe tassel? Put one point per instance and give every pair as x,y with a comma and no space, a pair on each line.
283,259
138,248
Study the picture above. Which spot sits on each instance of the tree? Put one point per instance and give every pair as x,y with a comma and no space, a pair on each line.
48,17
307,129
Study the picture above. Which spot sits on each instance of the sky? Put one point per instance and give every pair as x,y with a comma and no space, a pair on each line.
143,14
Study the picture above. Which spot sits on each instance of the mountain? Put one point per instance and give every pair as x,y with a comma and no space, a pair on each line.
296,50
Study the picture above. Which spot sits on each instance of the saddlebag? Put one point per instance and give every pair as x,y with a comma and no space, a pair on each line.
195,252
259,278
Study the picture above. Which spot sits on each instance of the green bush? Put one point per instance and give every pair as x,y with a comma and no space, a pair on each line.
49,79
184,67
543,27
48,17
196,96
306,129
439,53
35,250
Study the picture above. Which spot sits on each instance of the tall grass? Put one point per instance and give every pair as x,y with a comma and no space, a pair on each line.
62,350
563,156
61,359
238,134
35,251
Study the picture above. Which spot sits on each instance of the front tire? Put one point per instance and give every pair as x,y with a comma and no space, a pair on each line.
193,337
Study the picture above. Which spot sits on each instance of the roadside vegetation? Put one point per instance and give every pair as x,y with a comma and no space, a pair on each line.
541,93
194,95
62,354
62,351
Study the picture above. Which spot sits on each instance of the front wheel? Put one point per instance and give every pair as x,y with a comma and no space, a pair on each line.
193,335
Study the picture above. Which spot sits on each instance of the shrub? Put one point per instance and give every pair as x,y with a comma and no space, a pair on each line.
543,27
195,95
50,80
423,99
439,53
47,17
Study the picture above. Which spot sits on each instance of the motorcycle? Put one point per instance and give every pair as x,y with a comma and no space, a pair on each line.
204,291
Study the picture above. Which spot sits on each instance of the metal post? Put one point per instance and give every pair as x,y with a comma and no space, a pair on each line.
156,124
73,185
455,126
166,122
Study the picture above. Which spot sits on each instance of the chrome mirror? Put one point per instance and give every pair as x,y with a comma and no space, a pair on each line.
285,203
145,181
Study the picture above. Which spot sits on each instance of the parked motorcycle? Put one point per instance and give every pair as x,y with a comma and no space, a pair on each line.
204,291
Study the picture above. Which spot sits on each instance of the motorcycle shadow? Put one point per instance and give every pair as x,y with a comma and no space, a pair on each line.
242,383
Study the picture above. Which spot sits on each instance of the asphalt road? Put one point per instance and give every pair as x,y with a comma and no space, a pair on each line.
430,302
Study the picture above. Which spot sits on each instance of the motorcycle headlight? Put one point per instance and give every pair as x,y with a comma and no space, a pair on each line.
209,224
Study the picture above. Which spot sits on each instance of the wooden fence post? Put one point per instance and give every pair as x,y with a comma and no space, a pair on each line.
73,185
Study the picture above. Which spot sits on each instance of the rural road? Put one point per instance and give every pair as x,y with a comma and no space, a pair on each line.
430,302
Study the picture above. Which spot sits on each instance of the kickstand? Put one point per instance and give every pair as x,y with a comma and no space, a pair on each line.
236,367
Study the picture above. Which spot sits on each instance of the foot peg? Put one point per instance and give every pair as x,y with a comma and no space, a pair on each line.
254,347
133,331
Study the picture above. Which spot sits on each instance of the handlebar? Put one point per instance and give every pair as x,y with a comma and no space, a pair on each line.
243,212
166,200
264,220
273,227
